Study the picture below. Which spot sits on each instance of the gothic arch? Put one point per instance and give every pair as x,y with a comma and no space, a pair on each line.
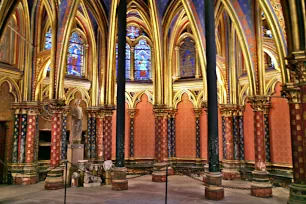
13,88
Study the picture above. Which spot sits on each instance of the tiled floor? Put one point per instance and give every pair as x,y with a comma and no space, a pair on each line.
181,189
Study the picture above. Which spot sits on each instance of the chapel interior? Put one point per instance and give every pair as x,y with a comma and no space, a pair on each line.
56,53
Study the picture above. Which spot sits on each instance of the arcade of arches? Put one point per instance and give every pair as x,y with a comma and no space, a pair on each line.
53,52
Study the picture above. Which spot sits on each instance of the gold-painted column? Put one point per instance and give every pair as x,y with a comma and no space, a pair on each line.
232,66
177,63
197,71
260,53
132,64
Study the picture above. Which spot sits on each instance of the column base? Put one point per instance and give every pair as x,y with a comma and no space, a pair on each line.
297,194
159,174
54,180
214,191
229,174
260,186
25,179
119,181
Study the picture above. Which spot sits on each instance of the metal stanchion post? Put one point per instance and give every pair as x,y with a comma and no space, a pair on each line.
166,185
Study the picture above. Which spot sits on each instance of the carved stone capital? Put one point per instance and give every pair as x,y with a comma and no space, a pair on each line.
292,93
108,110
56,105
260,103
228,110
160,110
132,112
197,112
92,111
297,67
172,112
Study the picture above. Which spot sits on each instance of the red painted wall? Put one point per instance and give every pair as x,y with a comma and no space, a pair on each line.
248,124
280,129
185,129
127,134
144,135
203,131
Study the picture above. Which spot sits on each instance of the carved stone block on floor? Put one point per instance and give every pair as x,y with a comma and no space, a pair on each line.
261,190
119,181
120,185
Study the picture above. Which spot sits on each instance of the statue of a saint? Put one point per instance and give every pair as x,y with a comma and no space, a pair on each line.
76,123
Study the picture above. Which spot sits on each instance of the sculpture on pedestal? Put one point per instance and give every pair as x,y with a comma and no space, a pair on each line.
76,123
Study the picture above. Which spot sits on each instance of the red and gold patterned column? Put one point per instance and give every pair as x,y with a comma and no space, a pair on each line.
132,113
297,100
161,125
107,132
231,166
260,175
54,178
99,130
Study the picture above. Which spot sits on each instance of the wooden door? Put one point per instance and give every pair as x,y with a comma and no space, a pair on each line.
2,148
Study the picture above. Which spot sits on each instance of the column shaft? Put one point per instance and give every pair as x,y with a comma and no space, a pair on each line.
99,129
15,136
107,133
56,131
132,113
31,137
22,140
64,137
160,135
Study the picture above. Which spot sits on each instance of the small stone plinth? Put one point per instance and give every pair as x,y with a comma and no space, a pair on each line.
261,190
22,179
120,185
214,193
230,175
159,176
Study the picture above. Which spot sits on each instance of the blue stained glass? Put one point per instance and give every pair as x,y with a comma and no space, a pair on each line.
132,32
142,60
48,39
187,58
127,60
75,58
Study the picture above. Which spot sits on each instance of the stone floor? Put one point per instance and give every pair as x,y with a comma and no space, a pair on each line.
181,189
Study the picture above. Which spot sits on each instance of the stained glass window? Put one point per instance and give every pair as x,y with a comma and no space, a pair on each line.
132,32
142,60
187,58
48,39
75,58
127,60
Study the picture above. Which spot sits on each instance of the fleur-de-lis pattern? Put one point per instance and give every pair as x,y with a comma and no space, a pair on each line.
23,132
198,136
267,138
93,138
15,138
223,137
64,138
241,137
236,137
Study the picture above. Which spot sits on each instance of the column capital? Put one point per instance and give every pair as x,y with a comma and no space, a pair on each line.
160,110
177,48
228,110
297,66
292,93
92,111
56,105
172,112
108,110
132,112
197,112
259,103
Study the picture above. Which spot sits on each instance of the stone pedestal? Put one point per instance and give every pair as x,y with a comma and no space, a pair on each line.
108,178
229,174
214,191
159,174
29,175
119,181
297,194
260,186
75,153
54,179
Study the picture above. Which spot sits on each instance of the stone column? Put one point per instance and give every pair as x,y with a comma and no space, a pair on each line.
171,136
241,134
260,186
177,63
197,68
107,132
64,142
267,133
161,156
197,112
16,135
22,139
296,97
91,137
230,163
99,130
132,113
54,178
30,173
132,65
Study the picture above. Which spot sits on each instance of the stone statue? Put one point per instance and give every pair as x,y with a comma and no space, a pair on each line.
76,123
107,165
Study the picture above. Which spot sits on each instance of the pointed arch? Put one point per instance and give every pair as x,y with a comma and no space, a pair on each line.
13,88
178,98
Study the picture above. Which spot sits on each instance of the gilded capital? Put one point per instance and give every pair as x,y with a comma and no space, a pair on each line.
160,110
297,67
292,93
228,110
197,112
132,112
172,113
259,103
